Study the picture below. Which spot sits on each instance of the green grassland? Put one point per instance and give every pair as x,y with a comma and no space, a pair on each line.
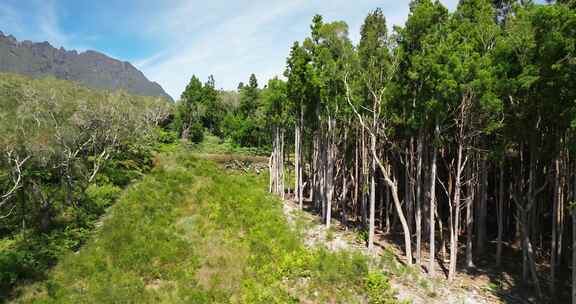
190,232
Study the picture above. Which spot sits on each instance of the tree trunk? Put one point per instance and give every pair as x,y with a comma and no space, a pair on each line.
553,248
500,215
271,163
530,256
344,182
455,214
372,209
356,175
297,167
481,240
281,165
330,169
432,210
393,186
469,219
418,193
524,216
362,186
409,184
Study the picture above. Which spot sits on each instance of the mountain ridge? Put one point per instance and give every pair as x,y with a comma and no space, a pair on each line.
91,68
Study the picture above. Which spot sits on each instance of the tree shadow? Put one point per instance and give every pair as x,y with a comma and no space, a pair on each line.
504,283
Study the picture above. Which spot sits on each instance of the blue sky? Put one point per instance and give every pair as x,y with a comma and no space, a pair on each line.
172,39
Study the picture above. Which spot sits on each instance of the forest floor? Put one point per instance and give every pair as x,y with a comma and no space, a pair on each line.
410,283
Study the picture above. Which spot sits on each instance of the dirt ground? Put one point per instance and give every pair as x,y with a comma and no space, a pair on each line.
411,283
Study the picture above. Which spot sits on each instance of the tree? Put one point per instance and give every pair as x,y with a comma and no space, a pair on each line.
416,88
298,92
190,109
274,100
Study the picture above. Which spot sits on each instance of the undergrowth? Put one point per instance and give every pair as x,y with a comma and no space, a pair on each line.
213,144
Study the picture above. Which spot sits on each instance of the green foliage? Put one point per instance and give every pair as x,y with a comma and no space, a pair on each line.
249,98
66,151
196,134
200,107
190,232
215,145
378,289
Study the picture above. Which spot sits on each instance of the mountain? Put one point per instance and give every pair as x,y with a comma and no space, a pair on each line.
90,68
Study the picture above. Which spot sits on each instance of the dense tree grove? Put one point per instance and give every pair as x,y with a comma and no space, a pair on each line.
245,118
456,130
65,153
199,109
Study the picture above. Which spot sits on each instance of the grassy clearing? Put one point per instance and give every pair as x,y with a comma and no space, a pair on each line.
213,145
191,233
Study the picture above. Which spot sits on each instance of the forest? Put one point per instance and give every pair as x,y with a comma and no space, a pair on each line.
453,136
455,130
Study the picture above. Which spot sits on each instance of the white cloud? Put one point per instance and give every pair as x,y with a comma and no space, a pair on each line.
229,39
230,48
10,19
39,21
48,24
248,37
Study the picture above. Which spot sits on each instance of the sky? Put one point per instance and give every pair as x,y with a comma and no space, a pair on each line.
171,40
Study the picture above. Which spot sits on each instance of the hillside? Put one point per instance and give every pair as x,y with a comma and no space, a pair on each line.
90,68
191,232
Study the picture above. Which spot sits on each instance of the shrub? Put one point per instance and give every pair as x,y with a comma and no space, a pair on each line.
196,132
378,289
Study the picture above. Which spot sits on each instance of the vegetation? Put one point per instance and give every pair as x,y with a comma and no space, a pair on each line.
458,123
211,237
66,152
455,131
238,117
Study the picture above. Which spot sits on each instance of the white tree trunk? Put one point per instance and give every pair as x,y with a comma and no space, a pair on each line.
330,169
297,171
455,215
433,204
418,214
372,208
469,222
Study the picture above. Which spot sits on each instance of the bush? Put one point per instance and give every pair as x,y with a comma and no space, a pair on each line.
196,134
378,289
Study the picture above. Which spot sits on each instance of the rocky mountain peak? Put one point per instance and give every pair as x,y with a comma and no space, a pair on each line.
90,68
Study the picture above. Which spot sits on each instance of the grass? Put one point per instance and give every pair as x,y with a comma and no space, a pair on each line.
214,145
191,233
